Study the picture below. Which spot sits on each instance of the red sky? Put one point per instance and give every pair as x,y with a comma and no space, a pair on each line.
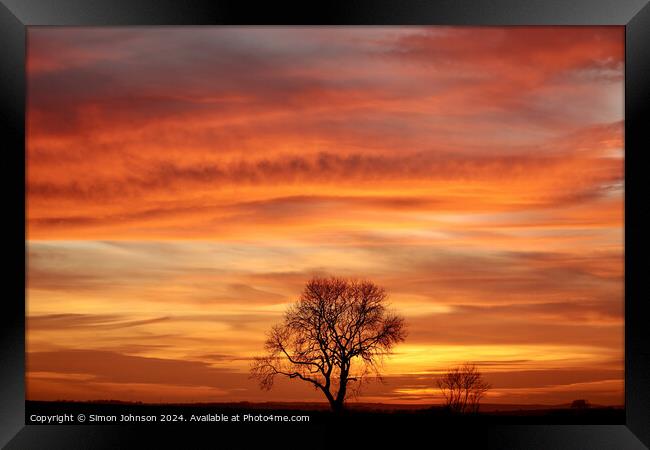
184,183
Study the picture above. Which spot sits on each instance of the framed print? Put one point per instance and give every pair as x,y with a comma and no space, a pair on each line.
343,221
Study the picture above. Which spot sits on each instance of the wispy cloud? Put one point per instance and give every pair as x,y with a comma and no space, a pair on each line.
177,205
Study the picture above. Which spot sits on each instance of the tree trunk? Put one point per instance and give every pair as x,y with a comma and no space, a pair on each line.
337,406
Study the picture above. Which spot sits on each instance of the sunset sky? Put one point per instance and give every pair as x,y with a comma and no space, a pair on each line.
184,183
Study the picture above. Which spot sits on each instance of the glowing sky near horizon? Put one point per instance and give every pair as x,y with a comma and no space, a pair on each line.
184,183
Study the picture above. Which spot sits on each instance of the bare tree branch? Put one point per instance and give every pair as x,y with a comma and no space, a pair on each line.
335,334
463,388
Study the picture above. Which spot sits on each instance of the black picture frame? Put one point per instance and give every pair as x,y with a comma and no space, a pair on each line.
16,15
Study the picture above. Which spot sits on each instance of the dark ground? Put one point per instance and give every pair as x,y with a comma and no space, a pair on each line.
376,414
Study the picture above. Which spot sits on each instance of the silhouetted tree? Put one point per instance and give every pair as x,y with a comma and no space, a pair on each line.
337,332
463,387
580,404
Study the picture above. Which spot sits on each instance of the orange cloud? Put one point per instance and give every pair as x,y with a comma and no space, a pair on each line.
184,183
